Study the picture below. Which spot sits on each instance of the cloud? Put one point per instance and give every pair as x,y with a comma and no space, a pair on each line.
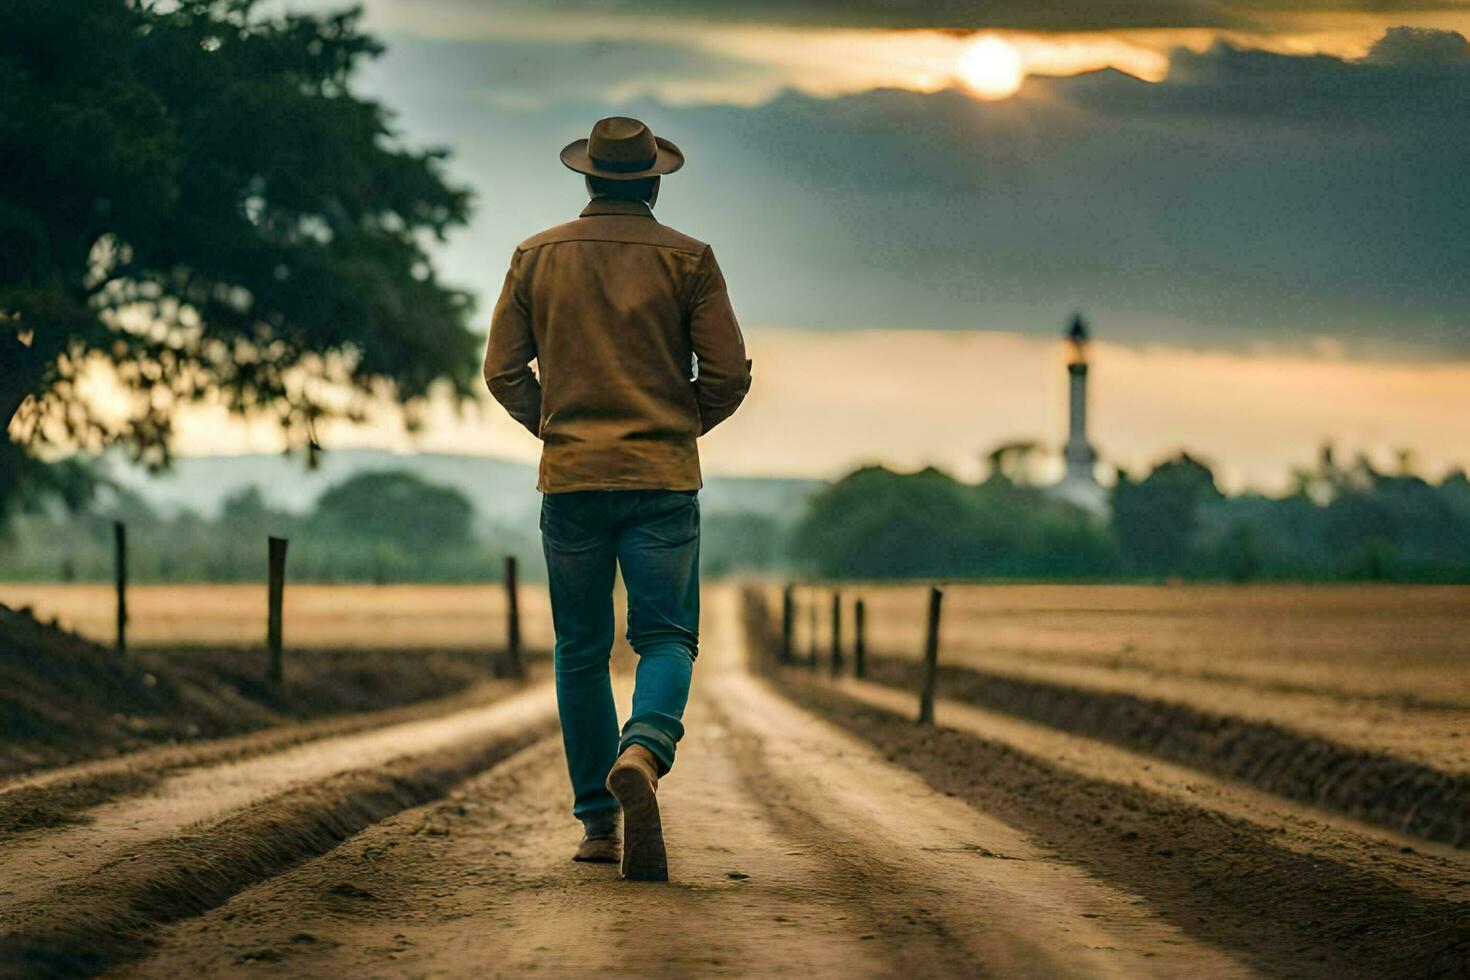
736,67
441,16
531,73
1419,46
1250,198
958,14
1408,75
547,51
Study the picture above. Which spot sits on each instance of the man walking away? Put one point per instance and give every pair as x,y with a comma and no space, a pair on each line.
638,354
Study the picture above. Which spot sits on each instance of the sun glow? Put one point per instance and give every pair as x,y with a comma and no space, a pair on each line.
991,68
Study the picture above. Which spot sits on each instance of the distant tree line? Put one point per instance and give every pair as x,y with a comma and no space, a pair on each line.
1338,523
387,526
383,526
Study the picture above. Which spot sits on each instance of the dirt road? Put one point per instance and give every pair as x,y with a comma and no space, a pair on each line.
797,846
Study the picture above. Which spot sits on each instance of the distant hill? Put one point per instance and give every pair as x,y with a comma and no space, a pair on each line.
502,491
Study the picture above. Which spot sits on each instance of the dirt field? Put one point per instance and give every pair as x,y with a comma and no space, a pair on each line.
1355,698
65,699
813,829
337,616
1384,669
1404,644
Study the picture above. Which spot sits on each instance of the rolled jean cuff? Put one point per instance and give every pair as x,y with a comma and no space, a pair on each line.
658,735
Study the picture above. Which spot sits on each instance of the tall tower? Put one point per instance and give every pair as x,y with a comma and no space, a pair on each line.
1079,486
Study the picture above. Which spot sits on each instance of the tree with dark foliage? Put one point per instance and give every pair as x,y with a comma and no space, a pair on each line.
192,195
1155,519
396,506
875,524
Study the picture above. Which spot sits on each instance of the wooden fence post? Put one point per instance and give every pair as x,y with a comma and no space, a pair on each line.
120,560
931,658
811,651
513,617
275,595
836,633
859,644
788,624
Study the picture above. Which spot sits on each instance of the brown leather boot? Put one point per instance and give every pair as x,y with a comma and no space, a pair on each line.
634,780
600,850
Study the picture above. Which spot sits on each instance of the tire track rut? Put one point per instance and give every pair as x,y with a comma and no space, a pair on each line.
794,848
76,900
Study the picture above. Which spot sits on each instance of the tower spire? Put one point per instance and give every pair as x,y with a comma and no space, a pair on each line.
1077,332
1079,485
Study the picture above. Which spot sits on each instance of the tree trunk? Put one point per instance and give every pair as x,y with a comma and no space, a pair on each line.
20,373
17,376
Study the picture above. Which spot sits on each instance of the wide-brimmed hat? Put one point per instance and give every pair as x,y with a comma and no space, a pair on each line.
622,149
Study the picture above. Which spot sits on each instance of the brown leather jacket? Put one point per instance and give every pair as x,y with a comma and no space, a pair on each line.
616,310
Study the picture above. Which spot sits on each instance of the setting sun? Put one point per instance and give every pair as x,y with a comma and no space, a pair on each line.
991,68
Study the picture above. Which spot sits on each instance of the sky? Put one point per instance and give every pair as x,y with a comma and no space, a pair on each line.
1260,206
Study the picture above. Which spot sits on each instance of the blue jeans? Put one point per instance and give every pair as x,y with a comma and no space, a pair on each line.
653,535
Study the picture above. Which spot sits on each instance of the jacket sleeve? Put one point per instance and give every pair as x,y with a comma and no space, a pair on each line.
510,351
724,370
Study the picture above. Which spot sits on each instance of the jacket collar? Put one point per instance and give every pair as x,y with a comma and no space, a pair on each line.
616,205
